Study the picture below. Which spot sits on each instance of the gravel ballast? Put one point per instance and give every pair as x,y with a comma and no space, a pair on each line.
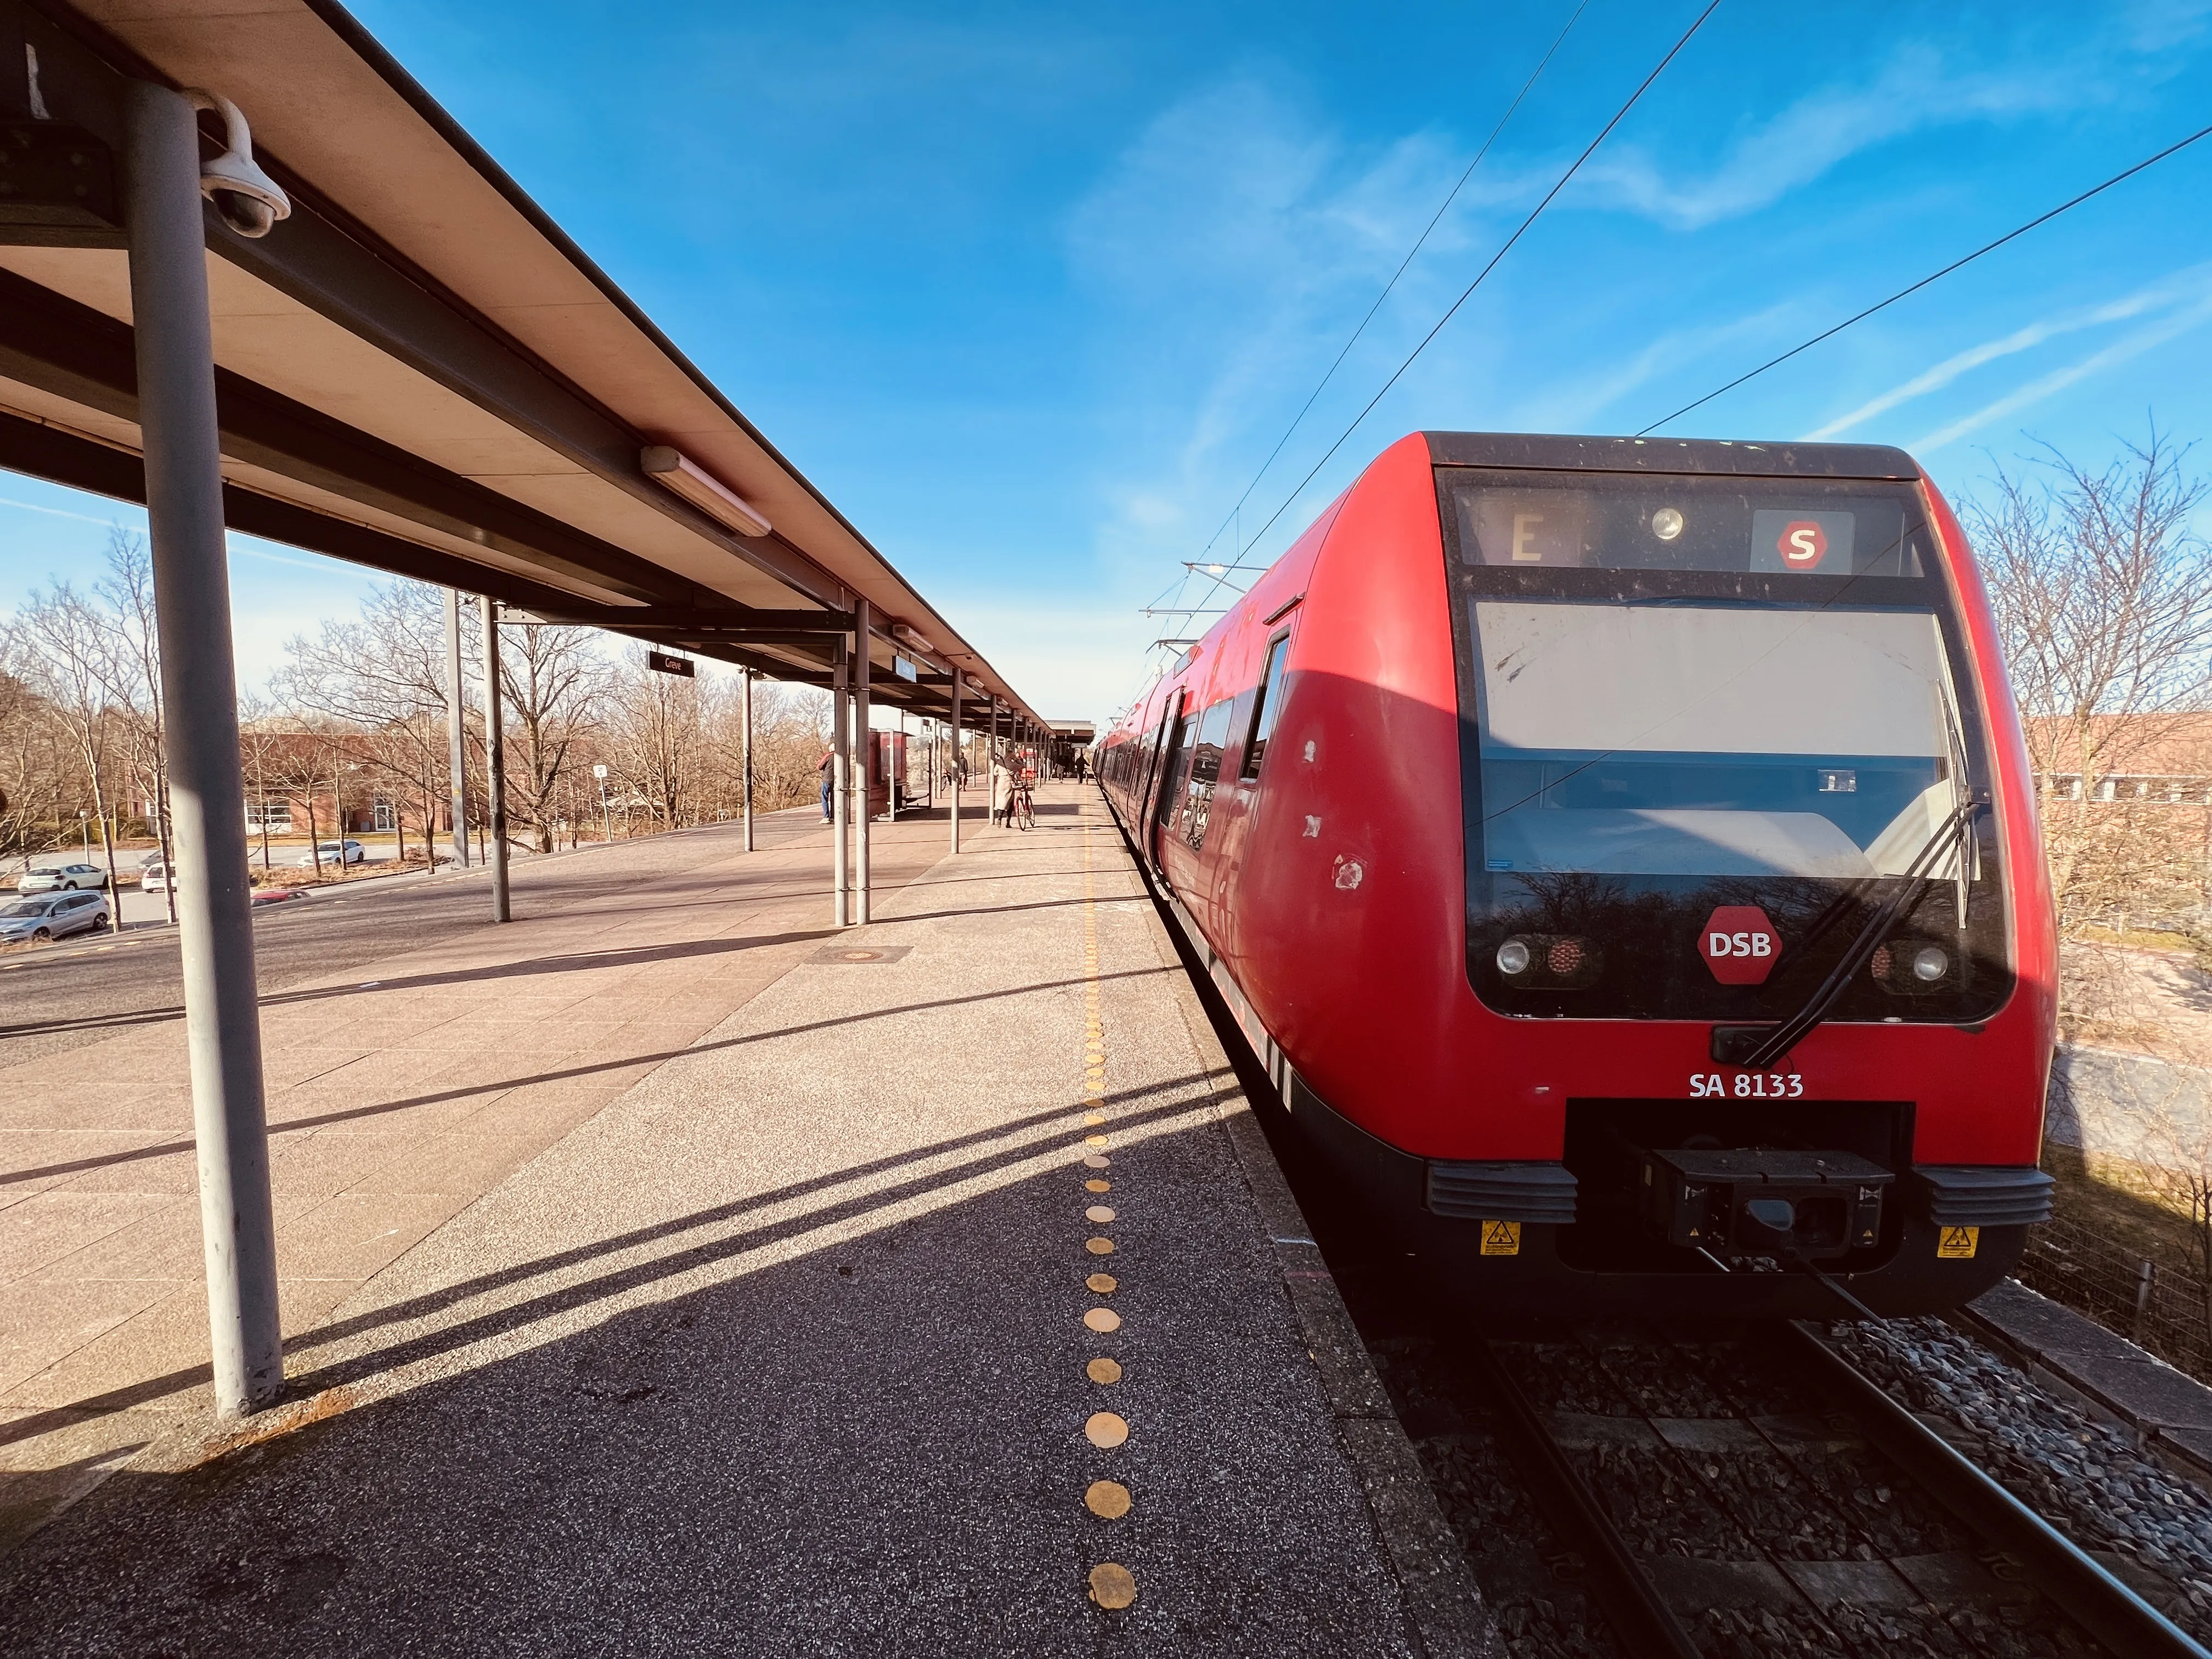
2085,1476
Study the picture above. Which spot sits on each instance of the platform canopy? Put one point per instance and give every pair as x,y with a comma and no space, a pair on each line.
417,371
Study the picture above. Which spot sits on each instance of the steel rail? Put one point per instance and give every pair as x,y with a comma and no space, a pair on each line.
2119,1618
1640,1621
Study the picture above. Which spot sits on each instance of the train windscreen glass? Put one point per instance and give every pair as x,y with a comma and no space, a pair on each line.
1681,693
1712,740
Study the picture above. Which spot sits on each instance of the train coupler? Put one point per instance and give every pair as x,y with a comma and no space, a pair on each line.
1763,1201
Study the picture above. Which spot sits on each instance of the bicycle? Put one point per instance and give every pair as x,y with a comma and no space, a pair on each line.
1021,810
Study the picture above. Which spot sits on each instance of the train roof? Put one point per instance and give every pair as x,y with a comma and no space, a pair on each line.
1541,452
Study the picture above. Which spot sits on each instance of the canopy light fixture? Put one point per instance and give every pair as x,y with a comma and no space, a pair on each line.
676,472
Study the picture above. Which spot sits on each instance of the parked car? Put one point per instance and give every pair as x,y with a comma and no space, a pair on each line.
154,875
335,852
62,878
54,915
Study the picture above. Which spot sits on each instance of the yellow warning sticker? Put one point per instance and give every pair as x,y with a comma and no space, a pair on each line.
1501,1238
1958,1243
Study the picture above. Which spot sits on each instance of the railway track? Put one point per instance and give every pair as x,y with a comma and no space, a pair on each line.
1757,1494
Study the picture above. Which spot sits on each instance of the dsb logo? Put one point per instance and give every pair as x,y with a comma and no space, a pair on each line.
1738,944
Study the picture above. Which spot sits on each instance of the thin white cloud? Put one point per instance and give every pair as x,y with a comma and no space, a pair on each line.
248,550
1231,247
2037,390
54,511
1572,404
1921,87
2175,289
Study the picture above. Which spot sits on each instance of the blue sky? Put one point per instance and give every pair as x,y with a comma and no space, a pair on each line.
1031,291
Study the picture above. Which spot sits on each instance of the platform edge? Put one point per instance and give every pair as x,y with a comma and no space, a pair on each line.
1446,1617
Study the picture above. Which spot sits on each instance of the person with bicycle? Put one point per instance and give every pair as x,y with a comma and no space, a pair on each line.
1002,789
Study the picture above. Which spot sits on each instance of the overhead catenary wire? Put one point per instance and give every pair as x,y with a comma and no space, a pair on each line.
1234,516
1420,242
1519,231
1933,276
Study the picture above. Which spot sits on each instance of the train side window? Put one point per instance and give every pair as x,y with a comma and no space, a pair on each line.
1175,763
1213,729
1263,711
1205,768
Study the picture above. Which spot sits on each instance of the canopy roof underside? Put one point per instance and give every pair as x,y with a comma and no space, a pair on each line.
417,370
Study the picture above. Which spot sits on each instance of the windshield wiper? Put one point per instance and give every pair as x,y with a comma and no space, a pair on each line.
1775,1041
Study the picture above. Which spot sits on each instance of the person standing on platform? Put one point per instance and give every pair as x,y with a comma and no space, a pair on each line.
1002,790
827,766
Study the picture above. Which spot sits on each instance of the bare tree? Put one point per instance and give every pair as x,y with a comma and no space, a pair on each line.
554,679
261,741
132,662
2104,593
384,676
653,739
34,767
64,654
791,728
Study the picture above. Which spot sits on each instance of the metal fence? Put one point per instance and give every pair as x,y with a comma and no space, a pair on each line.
2160,1306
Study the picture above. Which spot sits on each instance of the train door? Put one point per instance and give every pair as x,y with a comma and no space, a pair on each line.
1161,805
1145,769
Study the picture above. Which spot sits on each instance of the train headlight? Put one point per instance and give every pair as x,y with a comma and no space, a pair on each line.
1667,524
1512,958
1928,963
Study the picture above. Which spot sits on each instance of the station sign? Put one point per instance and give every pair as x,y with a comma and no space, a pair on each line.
662,663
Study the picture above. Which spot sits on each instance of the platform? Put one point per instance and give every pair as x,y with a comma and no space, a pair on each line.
791,1341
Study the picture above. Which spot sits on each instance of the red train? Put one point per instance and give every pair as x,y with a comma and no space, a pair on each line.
1621,854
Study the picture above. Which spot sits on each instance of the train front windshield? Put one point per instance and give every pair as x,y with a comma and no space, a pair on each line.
1678,739
1683,693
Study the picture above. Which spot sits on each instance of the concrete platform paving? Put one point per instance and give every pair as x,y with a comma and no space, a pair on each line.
934,1296
401,1088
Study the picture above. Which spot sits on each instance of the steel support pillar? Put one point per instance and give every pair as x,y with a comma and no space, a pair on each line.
868,768
953,790
457,740
494,757
745,685
199,703
841,794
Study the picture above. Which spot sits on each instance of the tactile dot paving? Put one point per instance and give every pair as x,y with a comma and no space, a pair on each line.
1107,1499
1112,1585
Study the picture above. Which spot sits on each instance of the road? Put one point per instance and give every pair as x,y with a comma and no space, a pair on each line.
144,909
57,996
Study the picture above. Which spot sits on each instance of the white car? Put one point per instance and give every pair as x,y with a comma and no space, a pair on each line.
334,852
62,878
153,875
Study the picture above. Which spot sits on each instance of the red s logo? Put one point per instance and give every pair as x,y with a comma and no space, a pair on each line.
1801,544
